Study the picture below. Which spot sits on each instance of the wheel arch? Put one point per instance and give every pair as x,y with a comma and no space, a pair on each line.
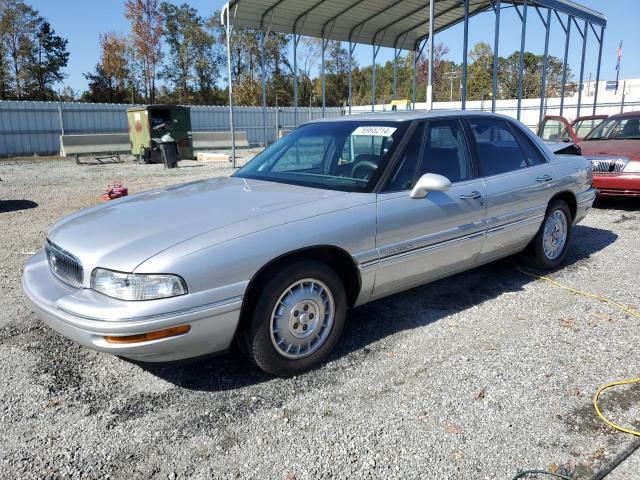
570,199
337,258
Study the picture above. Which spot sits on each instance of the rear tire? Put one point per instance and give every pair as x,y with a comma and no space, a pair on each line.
297,320
550,245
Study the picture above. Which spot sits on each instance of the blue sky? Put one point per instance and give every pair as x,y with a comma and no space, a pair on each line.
81,22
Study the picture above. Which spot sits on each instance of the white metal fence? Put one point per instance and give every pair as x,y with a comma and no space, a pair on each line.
30,128
34,128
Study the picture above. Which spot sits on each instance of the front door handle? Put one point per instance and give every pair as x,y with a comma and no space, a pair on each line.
544,178
471,196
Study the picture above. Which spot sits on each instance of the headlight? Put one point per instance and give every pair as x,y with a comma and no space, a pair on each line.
632,167
133,286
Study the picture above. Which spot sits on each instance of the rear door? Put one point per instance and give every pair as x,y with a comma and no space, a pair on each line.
420,239
556,129
519,179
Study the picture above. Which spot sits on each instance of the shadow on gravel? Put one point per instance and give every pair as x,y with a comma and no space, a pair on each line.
403,311
16,205
429,303
226,372
627,204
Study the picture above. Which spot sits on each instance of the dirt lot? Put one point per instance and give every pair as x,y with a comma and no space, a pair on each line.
473,377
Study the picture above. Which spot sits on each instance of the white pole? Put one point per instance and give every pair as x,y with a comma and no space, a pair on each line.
227,23
430,78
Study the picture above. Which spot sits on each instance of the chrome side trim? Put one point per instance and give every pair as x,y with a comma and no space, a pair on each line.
412,250
433,246
515,224
185,311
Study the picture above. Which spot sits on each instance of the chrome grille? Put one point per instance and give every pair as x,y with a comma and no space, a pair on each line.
608,165
64,265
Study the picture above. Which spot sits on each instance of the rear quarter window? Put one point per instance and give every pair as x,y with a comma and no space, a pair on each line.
500,147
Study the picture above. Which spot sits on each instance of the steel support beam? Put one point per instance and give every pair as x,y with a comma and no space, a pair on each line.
465,48
226,21
496,42
545,62
574,10
322,75
521,59
565,62
429,95
595,95
263,65
414,76
373,79
584,52
375,50
352,46
417,53
296,39
443,27
395,73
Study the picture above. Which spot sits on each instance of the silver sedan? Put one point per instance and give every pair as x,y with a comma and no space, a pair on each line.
334,215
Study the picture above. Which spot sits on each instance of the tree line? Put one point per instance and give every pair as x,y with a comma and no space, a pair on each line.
32,55
172,54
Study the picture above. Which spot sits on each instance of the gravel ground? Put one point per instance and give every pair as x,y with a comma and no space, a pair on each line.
475,376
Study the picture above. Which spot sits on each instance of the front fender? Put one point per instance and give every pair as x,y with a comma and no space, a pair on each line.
236,261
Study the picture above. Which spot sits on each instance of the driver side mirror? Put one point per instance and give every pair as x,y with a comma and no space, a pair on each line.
430,182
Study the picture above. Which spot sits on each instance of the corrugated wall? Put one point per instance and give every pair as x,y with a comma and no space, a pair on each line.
28,128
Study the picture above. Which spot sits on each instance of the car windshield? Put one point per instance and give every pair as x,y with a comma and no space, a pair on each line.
584,126
616,129
344,155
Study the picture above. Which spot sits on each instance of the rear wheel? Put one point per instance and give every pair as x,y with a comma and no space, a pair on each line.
550,245
297,320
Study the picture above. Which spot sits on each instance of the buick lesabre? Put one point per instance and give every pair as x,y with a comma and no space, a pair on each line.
336,214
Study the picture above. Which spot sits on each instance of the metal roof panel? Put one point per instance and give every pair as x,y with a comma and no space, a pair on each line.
399,23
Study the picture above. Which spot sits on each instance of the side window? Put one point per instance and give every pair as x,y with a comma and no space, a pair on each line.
531,153
445,151
405,170
497,149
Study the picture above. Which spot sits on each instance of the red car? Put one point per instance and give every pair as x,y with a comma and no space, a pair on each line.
613,148
558,129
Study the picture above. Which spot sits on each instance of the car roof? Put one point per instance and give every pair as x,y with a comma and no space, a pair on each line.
408,116
626,115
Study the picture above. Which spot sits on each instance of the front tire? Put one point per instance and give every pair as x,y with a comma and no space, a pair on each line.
550,245
297,320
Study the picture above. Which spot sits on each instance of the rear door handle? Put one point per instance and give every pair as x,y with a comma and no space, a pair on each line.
471,196
544,178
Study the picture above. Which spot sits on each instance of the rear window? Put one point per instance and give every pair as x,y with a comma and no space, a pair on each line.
498,149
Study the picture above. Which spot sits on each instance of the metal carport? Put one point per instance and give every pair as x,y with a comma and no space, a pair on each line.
404,25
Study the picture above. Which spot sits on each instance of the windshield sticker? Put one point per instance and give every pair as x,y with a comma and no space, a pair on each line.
371,130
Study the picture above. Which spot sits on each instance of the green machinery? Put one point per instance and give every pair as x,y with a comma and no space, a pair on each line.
148,124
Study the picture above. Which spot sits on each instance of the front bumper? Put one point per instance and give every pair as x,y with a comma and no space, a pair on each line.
212,325
617,184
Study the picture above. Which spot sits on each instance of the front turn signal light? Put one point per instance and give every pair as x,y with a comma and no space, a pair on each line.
149,336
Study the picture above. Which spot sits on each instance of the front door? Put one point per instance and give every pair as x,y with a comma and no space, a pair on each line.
421,239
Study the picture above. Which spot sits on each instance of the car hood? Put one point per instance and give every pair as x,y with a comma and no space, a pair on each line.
625,148
123,233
